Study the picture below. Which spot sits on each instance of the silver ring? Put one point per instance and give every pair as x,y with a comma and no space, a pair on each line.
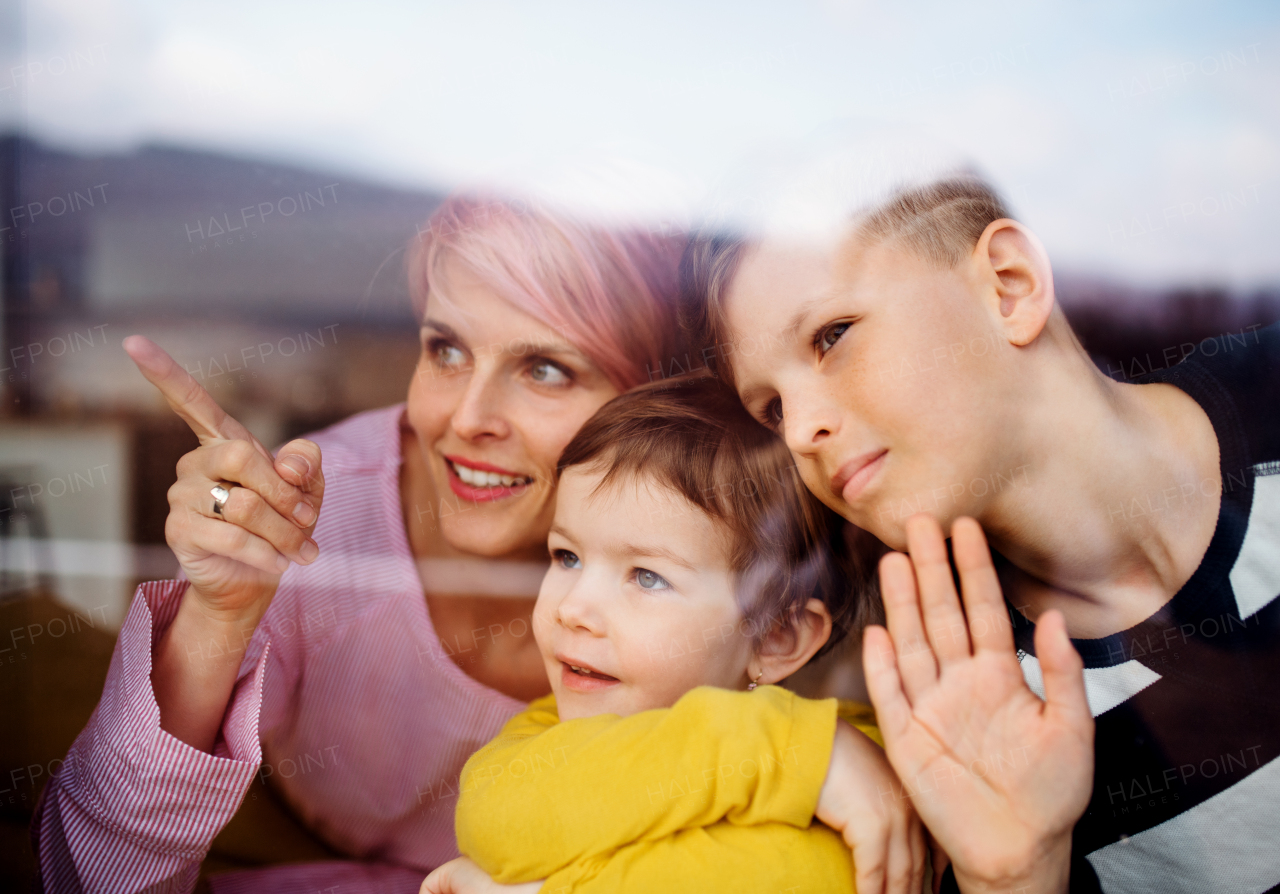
220,496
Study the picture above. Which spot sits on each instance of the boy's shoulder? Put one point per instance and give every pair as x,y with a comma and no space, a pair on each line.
1236,378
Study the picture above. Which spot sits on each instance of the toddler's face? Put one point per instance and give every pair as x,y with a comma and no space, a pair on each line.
638,606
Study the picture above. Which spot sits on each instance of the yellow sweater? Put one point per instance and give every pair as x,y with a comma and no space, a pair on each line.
714,794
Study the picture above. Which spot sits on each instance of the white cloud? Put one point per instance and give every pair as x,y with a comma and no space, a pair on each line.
645,106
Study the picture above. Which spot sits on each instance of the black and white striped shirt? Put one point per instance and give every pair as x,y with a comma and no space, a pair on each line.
1186,794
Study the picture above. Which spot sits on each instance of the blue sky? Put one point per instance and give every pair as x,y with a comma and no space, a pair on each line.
1141,140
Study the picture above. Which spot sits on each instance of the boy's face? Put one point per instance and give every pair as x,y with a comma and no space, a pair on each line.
886,376
639,596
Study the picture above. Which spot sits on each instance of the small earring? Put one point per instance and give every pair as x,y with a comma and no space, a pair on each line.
756,682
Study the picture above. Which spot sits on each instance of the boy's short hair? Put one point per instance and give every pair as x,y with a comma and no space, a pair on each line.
692,435
939,221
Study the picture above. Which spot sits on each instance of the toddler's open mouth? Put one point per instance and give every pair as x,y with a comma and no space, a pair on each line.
583,677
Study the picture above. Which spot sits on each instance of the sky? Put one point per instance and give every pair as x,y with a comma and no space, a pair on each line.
1141,141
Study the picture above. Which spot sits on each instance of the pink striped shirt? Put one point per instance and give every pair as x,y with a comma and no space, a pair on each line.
346,703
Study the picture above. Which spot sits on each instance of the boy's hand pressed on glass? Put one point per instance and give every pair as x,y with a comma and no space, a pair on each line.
998,776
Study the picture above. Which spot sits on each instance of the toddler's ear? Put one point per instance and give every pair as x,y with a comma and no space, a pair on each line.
788,647
1013,272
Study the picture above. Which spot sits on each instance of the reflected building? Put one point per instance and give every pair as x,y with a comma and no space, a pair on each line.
280,288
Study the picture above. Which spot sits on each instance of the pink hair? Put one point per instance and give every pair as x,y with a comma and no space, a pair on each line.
611,293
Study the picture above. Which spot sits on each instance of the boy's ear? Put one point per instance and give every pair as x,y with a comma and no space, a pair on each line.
788,648
1013,271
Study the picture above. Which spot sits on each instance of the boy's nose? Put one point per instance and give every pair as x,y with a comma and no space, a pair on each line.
807,421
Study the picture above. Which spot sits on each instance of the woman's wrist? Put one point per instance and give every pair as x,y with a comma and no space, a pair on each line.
1047,871
195,665
212,619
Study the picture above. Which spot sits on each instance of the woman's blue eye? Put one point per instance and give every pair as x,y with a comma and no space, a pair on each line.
567,559
548,373
828,337
651,581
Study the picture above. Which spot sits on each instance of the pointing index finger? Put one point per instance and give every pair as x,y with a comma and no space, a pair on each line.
185,395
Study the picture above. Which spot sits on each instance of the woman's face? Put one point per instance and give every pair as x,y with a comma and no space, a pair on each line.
494,400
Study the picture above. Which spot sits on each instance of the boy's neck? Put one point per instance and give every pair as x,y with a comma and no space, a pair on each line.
1120,506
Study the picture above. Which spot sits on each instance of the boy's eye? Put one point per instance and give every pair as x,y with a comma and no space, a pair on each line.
545,372
773,413
566,559
650,580
828,337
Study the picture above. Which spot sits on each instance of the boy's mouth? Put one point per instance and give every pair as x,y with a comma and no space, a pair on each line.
852,478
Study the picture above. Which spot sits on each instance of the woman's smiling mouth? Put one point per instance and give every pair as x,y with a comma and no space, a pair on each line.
481,482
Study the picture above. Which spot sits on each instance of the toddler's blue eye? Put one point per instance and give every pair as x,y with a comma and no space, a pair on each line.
567,559
651,581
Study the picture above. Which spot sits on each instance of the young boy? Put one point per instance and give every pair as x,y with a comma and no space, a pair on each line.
916,363
688,561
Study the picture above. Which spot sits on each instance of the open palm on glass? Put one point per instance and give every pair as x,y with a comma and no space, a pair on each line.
998,776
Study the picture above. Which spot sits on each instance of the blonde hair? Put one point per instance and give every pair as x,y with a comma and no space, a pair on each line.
940,222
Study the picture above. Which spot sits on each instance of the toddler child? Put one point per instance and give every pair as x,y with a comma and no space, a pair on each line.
690,571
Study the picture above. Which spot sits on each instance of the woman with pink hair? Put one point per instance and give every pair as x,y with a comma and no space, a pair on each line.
356,658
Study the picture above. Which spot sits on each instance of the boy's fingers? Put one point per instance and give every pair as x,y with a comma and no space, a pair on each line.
185,395
893,711
916,663
918,851
1064,691
898,870
940,861
984,603
943,620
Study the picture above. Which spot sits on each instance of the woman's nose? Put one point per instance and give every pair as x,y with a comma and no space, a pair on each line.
480,411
